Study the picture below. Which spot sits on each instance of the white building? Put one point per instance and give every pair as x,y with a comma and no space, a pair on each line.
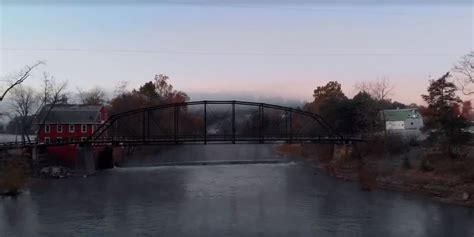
402,119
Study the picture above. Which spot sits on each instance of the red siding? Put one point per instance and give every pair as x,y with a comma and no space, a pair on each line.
67,153
54,134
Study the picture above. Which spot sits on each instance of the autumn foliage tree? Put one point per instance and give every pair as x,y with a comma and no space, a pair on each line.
153,93
324,94
329,102
159,91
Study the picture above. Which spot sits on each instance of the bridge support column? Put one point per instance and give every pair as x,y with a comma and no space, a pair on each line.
85,160
34,153
342,152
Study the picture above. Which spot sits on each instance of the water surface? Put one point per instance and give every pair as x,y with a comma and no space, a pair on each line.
288,199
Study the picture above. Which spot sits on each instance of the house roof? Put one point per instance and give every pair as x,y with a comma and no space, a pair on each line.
400,114
69,114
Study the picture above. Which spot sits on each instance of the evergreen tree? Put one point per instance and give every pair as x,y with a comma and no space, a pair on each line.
446,124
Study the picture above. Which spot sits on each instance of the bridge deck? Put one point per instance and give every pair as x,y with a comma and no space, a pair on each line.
188,139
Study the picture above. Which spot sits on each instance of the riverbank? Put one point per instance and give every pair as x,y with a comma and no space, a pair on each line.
443,179
17,170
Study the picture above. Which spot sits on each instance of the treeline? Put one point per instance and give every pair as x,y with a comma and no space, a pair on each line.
446,117
362,113
357,115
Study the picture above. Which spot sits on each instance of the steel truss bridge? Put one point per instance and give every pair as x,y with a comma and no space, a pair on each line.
207,122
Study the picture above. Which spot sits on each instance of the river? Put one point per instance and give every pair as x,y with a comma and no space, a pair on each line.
5,137
281,199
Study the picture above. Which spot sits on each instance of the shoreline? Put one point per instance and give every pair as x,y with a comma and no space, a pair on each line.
449,189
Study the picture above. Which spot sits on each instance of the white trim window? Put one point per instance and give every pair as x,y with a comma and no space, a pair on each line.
72,128
83,139
83,128
47,128
59,128
59,139
47,140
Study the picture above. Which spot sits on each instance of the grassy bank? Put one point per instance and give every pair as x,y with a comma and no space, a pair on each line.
412,169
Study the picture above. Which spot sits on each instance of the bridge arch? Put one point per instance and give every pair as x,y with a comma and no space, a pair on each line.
216,122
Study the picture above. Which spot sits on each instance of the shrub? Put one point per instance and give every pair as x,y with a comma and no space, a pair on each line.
468,177
396,144
374,146
13,174
406,162
458,151
413,140
321,152
367,179
459,167
426,165
392,143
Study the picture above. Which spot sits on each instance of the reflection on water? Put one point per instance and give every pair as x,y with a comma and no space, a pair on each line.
224,200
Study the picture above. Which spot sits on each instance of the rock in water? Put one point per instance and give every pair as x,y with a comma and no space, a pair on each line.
45,170
56,171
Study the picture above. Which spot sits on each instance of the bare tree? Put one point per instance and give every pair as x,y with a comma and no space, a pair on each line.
364,86
24,100
121,88
465,73
379,89
94,96
20,78
383,88
53,93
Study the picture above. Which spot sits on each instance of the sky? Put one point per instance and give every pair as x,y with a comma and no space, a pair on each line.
237,49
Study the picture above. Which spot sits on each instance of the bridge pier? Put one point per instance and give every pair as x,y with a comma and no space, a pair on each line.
85,160
34,153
